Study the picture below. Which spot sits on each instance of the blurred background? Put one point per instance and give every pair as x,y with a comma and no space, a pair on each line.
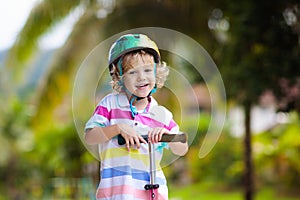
255,44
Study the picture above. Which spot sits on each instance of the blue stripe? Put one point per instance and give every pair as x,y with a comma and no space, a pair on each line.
123,171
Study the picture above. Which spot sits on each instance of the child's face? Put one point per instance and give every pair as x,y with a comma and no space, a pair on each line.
139,79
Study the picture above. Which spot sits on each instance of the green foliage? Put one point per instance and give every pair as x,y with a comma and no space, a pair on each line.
15,143
222,164
277,155
211,191
58,152
201,191
28,160
262,49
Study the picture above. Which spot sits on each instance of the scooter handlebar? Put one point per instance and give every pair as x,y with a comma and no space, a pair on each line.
181,137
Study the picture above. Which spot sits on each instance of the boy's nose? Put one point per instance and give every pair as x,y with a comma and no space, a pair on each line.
142,75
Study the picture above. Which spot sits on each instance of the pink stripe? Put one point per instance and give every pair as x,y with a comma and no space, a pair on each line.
148,121
121,190
172,125
153,123
101,110
120,114
124,114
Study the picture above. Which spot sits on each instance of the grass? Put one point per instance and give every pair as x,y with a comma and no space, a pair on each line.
209,192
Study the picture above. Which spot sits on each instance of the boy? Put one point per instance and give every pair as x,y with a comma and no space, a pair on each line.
136,70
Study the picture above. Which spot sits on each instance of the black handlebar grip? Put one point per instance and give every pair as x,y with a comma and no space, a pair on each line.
182,137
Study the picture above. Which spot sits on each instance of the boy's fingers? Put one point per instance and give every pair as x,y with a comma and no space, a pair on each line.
156,137
131,141
137,141
141,139
159,136
127,145
149,136
152,135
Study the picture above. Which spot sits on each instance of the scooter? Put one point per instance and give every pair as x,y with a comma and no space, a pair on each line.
152,187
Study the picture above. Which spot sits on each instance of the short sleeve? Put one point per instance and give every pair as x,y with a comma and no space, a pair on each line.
101,116
169,124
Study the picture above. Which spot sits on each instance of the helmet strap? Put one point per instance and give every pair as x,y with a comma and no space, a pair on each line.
155,86
119,65
133,108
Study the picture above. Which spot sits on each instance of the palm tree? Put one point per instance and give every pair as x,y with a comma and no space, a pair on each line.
51,99
99,20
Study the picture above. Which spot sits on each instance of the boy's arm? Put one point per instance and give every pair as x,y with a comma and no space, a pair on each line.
179,148
98,135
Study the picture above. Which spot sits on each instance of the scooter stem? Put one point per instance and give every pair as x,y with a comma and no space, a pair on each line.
152,187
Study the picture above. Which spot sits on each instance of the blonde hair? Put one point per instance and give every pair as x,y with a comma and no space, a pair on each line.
129,61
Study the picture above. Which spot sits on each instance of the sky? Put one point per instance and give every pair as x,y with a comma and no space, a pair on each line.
13,15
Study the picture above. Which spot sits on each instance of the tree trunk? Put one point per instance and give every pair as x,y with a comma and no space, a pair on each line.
248,176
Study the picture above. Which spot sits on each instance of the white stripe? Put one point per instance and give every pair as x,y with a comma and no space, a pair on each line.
119,121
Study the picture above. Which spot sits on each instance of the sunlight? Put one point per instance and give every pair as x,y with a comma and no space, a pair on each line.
12,19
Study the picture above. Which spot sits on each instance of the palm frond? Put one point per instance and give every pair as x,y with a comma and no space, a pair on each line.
57,83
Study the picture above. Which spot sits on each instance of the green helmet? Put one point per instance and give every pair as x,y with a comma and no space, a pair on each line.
132,42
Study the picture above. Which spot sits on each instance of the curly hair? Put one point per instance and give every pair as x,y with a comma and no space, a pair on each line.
129,61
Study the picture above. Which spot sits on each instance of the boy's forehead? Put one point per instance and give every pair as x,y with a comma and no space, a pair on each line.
139,65
139,60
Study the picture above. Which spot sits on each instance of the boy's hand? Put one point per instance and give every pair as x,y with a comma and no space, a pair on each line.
130,136
155,134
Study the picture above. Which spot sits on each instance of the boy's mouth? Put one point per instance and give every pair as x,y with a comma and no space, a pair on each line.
143,85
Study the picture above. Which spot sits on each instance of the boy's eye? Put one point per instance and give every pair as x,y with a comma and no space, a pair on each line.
131,72
148,70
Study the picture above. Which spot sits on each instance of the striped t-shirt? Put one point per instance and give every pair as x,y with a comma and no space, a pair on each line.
124,174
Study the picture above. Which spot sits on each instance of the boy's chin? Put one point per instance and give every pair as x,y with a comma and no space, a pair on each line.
144,93
141,95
